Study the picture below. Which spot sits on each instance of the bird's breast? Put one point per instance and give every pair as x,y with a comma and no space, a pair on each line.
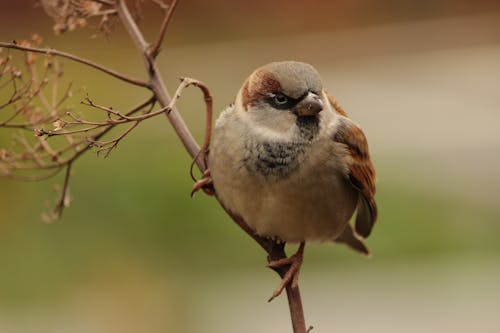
273,160
278,159
292,186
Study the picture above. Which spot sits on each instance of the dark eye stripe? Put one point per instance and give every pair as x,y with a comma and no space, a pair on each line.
290,103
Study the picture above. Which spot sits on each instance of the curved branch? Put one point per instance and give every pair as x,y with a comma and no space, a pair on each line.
274,250
81,60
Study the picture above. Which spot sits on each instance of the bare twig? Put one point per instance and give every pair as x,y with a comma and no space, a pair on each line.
32,178
79,146
73,57
161,4
186,82
108,146
105,2
155,49
64,198
156,82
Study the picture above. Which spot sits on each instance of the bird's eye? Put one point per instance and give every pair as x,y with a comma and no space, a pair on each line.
280,99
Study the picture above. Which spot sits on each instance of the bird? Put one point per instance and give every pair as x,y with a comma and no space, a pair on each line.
289,161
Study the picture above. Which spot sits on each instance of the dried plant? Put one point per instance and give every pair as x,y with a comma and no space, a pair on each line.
49,134
69,15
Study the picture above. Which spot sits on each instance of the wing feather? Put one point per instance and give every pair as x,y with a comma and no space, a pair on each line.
361,171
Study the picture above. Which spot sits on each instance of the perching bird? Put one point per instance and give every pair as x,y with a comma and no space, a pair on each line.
288,160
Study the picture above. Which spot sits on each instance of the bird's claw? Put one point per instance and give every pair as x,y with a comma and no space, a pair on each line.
291,276
205,184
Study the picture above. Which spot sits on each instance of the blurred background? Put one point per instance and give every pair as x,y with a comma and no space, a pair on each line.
134,253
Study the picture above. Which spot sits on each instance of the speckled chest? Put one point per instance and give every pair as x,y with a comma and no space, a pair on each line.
277,160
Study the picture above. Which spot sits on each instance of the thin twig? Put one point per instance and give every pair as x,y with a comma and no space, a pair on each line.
64,198
67,94
208,125
155,49
55,162
108,146
29,178
156,83
108,110
105,2
162,5
73,57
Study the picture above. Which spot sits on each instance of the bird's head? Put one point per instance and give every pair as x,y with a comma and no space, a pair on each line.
278,93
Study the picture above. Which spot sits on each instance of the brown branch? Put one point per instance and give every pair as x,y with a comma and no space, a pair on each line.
64,198
108,110
275,251
155,49
108,146
161,4
93,125
105,2
156,82
55,162
29,178
73,57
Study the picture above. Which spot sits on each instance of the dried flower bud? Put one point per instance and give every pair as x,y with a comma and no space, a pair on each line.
16,73
4,154
36,39
59,124
70,14
39,132
86,7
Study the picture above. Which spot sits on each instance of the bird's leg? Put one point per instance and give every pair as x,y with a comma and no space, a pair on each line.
205,184
292,274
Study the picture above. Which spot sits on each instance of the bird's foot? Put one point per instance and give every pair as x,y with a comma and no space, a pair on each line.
205,184
292,274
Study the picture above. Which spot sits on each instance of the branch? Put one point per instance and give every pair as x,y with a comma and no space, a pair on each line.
108,146
168,16
64,198
275,251
73,57
33,159
157,85
105,2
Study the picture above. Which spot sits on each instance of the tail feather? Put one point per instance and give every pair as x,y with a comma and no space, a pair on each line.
366,216
349,237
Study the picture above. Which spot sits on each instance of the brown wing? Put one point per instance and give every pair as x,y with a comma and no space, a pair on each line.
361,171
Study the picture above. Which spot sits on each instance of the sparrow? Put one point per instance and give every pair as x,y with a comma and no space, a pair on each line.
287,159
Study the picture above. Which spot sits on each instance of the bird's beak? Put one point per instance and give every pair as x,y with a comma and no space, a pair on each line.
310,105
